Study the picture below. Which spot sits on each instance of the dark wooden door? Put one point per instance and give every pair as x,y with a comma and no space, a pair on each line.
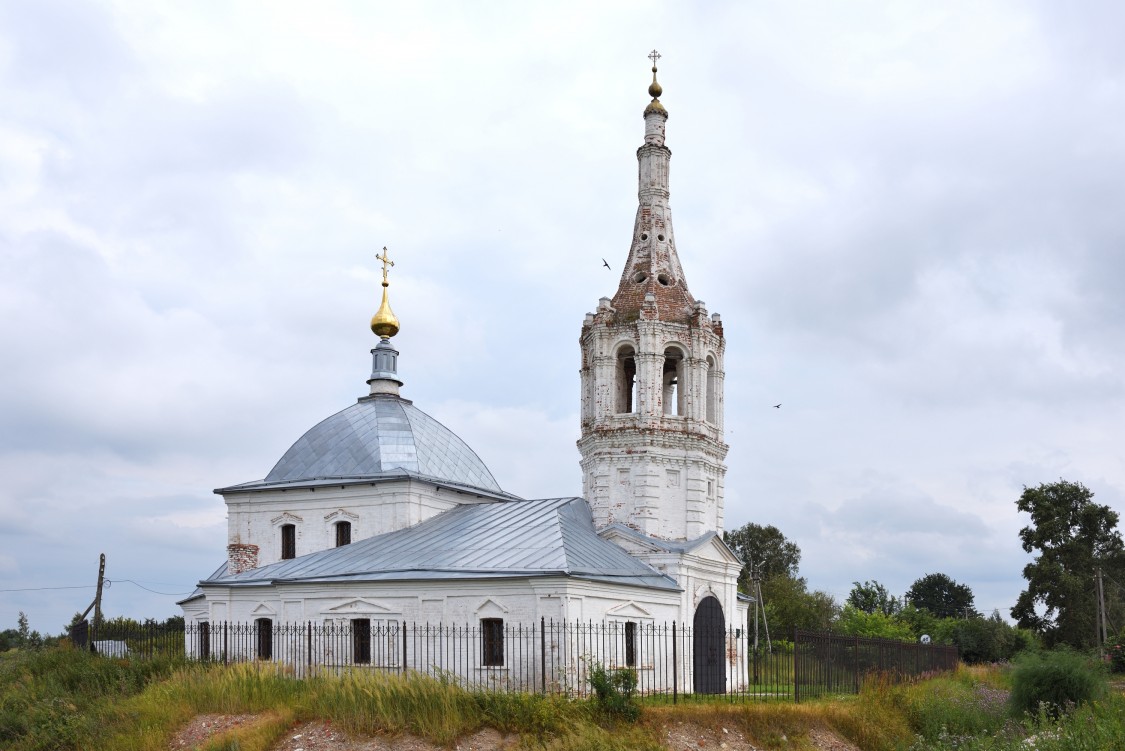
709,673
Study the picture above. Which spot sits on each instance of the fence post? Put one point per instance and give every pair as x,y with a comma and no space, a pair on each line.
675,666
796,670
543,653
857,665
404,647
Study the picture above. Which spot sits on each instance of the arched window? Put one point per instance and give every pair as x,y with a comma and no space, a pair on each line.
712,390
288,541
675,390
343,533
626,387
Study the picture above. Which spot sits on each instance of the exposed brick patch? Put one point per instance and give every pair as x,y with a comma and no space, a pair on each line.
241,557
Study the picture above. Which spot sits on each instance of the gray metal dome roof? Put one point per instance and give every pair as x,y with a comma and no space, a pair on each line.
378,436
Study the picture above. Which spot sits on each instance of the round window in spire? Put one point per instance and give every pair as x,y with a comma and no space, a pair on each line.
640,277
664,279
644,235
660,238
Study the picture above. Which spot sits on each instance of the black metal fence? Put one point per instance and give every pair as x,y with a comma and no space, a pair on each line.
671,660
826,664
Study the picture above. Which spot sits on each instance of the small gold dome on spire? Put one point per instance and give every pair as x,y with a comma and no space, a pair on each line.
384,323
655,89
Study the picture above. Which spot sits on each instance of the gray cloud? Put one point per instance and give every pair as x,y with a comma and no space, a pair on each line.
909,221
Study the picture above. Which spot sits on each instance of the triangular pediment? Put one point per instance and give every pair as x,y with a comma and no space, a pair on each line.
263,610
489,608
628,610
714,549
360,605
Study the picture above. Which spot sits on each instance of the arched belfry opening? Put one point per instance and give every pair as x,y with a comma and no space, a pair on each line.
708,641
712,386
675,391
626,386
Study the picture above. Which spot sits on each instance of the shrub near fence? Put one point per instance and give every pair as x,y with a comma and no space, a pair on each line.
549,657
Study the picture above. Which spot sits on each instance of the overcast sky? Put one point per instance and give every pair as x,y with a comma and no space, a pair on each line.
910,216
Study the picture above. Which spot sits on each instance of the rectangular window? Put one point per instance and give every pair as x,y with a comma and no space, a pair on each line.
361,641
492,642
264,628
631,644
205,640
288,541
343,533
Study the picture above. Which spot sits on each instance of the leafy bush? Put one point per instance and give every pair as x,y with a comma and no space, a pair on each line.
1116,654
1056,681
615,692
989,639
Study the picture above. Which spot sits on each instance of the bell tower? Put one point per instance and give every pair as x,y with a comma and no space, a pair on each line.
652,377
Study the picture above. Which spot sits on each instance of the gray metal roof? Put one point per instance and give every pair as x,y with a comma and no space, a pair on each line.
380,436
514,539
672,546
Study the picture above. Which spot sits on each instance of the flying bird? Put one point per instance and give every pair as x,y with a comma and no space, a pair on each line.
777,406
604,263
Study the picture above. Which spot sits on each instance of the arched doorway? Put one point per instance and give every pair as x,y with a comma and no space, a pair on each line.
709,669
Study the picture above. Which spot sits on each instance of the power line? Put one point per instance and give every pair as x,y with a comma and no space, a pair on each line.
170,594
91,586
40,589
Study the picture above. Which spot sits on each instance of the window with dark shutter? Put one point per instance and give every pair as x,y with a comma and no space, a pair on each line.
264,638
492,642
361,640
631,644
288,541
343,533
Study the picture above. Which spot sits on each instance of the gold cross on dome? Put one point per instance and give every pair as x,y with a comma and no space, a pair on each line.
654,56
386,262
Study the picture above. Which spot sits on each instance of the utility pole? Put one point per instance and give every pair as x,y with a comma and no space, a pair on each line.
98,596
765,620
1100,624
757,601
757,604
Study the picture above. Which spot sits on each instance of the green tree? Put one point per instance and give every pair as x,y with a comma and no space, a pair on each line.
24,628
765,548
942,596
873,597
790,605
1071,537
854,621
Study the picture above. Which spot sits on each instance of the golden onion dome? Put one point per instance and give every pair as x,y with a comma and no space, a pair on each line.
384,323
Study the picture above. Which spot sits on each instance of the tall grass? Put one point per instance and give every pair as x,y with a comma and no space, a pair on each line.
70,700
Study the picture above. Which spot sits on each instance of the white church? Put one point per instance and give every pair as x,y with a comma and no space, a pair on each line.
379,516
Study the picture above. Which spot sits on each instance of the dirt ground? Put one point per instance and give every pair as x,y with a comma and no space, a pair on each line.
320,736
